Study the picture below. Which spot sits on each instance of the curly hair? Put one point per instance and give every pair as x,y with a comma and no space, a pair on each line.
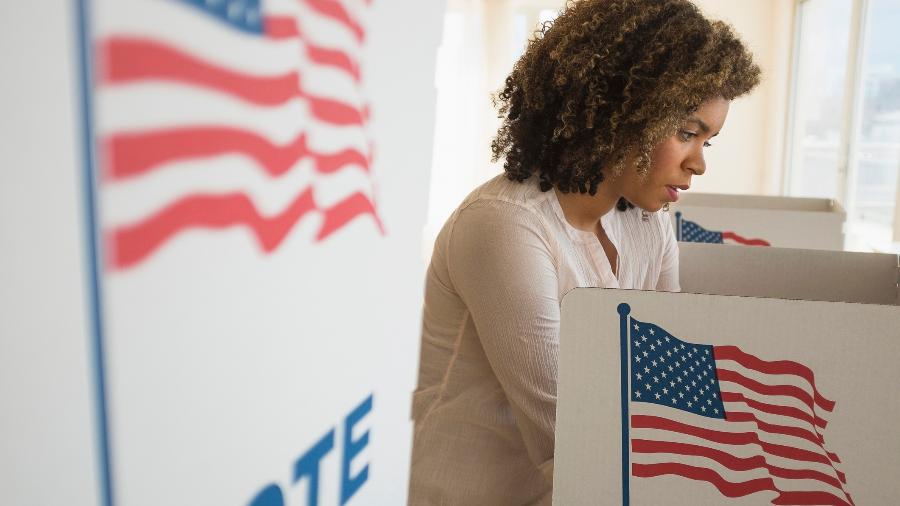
607,81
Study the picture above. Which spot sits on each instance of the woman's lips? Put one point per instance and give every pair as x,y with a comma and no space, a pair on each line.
673,193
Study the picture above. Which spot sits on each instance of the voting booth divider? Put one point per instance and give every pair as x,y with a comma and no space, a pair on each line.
752,220
725,398
216,263
786,273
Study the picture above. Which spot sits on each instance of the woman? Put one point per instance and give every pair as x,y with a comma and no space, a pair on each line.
606,117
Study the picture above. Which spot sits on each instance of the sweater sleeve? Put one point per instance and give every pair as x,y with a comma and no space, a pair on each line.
502,266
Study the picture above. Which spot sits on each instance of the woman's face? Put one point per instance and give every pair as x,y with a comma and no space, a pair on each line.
676,159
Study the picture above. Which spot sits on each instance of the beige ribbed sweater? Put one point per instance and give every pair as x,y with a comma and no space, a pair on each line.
485,406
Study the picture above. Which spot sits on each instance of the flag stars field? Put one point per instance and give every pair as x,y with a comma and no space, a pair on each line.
656,371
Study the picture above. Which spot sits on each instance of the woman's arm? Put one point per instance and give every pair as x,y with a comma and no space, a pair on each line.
502,267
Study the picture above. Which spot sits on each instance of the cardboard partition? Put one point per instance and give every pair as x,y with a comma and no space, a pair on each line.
753,220
211,279
727,400
837,276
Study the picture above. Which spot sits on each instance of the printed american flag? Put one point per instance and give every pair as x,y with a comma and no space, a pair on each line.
720,415
235,115
689,231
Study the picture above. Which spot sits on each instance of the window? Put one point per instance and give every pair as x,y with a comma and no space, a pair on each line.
873,186
821,75
845,141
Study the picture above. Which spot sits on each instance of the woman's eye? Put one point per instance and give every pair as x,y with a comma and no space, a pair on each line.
687,136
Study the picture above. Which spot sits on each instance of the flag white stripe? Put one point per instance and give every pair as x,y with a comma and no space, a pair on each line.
157,106
781,421
324,31
740,451
134,200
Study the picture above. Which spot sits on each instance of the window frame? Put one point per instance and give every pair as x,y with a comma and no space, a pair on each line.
851,111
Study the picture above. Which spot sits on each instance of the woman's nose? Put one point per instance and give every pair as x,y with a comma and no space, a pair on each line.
696,164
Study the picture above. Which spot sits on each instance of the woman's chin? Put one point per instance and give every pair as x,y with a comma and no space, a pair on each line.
651,207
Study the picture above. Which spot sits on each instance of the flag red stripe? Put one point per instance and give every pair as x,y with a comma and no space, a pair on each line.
333,58
133,154
334,10
798,393
285,27
730,461
774,367
739,416
135,242
281,27
812,437
344,211
810,498
732,438
774,409
336,112
724,486
130,59
730,489
742,240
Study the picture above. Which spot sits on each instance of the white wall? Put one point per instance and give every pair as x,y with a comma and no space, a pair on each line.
748,156
47,426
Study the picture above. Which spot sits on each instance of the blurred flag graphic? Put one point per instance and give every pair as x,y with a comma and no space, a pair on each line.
219,114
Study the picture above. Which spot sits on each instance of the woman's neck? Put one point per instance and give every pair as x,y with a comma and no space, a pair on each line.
584,211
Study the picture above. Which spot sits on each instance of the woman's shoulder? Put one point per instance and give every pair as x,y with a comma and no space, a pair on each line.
502,196
501,211
500,188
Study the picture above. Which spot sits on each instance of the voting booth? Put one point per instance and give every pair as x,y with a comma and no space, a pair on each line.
212,280
752,220
767,401
707,399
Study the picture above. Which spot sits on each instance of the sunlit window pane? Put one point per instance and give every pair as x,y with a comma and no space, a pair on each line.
874,183
819,98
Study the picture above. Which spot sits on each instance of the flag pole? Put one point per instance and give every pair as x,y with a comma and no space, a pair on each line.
624,310
678,225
